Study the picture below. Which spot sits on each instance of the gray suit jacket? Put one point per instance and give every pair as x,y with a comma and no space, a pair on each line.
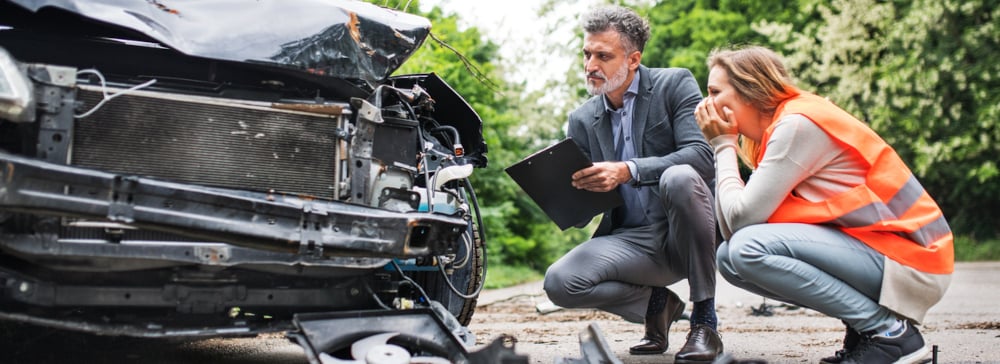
663,126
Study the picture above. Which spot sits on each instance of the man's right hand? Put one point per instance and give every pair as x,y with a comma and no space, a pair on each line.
602,176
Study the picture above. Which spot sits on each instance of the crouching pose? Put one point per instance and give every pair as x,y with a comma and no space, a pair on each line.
831,218
640,132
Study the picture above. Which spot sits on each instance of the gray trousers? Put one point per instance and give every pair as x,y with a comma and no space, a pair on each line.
813,266
615,272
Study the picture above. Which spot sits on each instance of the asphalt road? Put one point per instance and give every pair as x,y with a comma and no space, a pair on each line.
965,327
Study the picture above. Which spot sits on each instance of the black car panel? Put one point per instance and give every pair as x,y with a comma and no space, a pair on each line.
217,168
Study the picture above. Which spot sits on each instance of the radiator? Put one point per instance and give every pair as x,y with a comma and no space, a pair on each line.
208,142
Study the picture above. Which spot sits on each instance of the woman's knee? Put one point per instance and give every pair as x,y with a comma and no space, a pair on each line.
724,262
744,252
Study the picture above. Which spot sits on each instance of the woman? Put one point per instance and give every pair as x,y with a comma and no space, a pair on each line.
831,218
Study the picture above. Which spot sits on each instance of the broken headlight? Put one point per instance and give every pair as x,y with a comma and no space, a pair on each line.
16,101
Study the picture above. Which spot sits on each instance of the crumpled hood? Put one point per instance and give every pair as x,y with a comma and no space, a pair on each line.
346,39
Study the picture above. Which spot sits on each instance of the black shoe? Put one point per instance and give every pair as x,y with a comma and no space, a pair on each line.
657,327
905,347
851,340
703,346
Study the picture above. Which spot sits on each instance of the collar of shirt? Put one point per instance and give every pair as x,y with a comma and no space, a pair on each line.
621,119
627,99
621,123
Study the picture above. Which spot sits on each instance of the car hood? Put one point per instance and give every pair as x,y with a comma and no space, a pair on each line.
345,39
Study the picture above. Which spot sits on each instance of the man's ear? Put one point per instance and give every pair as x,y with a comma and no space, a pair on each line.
634,59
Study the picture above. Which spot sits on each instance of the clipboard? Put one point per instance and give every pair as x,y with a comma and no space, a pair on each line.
545,176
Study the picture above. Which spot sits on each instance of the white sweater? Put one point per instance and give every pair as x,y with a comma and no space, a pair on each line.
800,158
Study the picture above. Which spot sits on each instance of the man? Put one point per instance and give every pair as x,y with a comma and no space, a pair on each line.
640,132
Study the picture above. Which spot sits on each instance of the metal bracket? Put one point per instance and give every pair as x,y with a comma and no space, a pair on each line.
121,202
362,142
311,231
56,95
398,194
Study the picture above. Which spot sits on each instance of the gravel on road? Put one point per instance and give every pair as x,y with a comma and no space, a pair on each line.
964,326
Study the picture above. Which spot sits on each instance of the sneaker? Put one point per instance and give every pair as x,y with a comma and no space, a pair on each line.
905,346
851,340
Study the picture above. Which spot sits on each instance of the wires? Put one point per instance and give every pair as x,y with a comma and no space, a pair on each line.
470,250
374,296
454,290
410,280
482,229
456,138
446,134
104,90
470,245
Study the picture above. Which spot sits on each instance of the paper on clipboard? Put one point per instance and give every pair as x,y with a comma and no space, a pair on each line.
545,176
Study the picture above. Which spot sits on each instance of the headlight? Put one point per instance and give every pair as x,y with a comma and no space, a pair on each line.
16,99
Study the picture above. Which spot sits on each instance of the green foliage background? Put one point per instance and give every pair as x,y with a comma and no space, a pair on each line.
521,242
923,73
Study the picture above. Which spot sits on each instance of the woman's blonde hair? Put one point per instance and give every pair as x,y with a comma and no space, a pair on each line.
760,79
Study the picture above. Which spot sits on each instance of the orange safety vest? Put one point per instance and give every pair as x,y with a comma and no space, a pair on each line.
891,212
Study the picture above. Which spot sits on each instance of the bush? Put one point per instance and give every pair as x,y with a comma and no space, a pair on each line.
968,249
499,276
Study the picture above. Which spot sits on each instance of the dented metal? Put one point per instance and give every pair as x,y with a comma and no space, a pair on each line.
234,217
337,39
203,169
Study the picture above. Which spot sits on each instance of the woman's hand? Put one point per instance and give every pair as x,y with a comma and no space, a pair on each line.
711,123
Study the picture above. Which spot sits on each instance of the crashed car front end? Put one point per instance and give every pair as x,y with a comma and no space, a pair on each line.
198,171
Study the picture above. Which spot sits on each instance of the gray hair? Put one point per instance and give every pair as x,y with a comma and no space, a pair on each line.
633,29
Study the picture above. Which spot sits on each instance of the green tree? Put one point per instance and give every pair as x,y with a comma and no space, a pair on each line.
922,74
936,98
517,232
685,31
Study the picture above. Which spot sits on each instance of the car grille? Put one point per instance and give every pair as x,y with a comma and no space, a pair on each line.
203,141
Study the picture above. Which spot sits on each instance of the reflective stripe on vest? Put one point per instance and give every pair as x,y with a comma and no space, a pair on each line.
891,212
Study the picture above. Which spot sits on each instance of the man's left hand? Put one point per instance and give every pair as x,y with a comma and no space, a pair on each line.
602,176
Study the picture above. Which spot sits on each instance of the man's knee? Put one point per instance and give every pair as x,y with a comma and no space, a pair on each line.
554,285
677,179
565,287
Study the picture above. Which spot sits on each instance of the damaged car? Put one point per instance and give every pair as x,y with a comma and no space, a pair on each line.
210,168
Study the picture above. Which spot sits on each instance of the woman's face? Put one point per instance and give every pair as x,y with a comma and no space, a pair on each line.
747,118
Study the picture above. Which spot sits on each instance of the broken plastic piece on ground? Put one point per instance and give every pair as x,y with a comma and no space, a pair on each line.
426,334
546,307
594,348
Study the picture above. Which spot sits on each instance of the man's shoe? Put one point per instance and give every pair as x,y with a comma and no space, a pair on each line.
657,327
904,347
703,346
851,340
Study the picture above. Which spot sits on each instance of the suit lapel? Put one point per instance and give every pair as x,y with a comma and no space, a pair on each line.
641,110
605,137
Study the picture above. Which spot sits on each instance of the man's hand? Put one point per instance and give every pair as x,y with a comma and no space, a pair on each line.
602,176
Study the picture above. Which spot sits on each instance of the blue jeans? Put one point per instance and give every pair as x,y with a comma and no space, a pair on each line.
813,266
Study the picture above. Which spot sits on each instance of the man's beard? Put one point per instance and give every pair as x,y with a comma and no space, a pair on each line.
616,81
